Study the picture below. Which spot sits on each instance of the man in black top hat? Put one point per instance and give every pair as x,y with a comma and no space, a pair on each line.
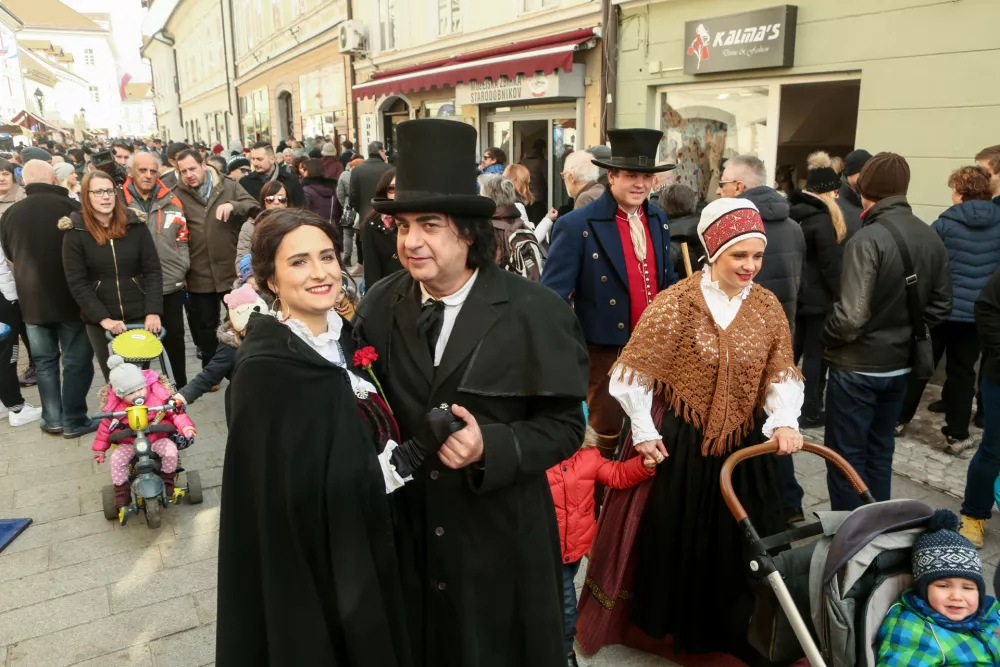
610,258
475,530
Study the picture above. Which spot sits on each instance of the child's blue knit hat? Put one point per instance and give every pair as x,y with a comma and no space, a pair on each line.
246,269
942,553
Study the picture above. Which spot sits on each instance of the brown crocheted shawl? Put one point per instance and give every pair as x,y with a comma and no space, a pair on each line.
714,379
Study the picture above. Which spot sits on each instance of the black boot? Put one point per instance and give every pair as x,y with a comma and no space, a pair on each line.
123,494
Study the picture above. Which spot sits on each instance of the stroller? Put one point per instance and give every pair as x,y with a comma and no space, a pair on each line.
825,600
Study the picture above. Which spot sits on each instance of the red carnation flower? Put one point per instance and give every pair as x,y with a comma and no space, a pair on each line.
365,357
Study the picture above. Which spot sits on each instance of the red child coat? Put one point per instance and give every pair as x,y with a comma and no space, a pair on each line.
572,484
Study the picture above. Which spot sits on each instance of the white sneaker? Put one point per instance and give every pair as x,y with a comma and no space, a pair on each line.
28,414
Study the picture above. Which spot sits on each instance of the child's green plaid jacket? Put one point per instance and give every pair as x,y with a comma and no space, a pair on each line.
914,635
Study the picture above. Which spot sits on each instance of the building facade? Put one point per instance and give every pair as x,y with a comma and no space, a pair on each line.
71,61
159,51
527,74
11,84
724,77
290,77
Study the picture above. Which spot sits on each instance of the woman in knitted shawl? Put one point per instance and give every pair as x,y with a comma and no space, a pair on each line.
709,359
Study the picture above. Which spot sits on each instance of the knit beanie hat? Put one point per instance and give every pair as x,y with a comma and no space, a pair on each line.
822,177
728,221
35,153
942,553
63,170
855,160
238,162
125,378
885,175
246,268
329,149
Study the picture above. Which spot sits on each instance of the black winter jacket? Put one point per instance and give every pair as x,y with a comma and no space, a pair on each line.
784,257
254,183
120,280
381,255
988,326
321,198
869,329
364,180
851,206
33,243
824,256
685,230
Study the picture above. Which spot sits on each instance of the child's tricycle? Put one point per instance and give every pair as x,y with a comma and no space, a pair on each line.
148,491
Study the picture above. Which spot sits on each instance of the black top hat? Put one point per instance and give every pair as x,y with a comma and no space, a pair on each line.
436,170
634,150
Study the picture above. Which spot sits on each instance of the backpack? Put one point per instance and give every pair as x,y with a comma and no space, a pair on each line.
518,250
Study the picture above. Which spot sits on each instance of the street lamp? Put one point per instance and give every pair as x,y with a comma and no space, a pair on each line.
39,101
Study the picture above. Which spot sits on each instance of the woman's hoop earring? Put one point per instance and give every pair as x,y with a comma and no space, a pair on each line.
276,310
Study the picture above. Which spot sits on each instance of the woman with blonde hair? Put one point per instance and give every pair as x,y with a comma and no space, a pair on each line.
519,175
818,213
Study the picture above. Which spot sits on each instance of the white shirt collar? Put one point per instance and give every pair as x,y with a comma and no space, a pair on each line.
456,299
713,285
335,324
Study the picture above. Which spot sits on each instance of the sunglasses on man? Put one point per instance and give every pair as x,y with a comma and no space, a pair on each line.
281,199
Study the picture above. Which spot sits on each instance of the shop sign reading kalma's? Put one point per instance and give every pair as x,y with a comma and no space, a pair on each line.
753,40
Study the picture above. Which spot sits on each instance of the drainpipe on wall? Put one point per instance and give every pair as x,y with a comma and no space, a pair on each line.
609,74
350,87
232,47
225,60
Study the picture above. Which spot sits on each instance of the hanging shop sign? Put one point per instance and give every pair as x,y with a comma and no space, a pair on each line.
753,40
521,88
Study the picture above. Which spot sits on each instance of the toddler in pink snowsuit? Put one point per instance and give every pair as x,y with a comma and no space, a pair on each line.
127,384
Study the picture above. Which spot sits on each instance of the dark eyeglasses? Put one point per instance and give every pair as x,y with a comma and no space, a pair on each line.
244,170
487,157
281,199
103,193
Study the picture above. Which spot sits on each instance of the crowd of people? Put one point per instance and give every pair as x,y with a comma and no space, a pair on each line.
455,382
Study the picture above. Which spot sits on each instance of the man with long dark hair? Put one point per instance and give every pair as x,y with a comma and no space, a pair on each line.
475,530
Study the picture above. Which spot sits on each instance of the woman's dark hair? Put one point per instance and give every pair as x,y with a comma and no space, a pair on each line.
297,162
497,154
314,167
270,229
270,189
479,232
678,199
971,183
7,165
382,190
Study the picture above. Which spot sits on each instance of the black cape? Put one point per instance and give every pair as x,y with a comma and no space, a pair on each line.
307,567
479,547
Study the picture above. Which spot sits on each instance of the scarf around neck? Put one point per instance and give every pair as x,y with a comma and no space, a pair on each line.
714,379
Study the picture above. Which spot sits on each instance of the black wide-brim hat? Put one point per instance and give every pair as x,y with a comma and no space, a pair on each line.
634,150
436,170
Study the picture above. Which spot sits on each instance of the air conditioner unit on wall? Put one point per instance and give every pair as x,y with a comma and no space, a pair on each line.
353,37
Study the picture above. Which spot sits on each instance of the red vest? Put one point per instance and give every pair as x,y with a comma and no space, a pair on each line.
641,275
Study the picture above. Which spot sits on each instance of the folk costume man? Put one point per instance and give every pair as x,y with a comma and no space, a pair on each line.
610,259
475,530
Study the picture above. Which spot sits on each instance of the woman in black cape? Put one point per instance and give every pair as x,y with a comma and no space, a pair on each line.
307,566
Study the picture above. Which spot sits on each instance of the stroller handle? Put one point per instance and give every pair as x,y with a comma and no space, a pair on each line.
131,327
726,476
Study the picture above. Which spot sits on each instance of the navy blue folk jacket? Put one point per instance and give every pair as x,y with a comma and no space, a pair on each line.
586,267
971,233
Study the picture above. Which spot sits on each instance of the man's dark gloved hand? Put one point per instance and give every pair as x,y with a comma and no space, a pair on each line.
432,432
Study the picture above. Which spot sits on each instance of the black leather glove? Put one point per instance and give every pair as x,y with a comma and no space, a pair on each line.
432,432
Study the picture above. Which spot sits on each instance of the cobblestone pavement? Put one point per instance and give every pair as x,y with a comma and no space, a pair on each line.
76,589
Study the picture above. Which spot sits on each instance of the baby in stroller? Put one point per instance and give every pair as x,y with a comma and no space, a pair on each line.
128,384
946,618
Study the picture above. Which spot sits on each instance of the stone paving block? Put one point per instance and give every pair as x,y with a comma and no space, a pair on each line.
58,473
51,584
205,521
50,492
49,457
98,638
133,656
140,590
59,531
118,540
211,477
207,602
46,513
189,550
6,500
24,563
186,649
53,615
4,467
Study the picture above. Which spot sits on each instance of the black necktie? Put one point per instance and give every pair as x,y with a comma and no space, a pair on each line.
430,322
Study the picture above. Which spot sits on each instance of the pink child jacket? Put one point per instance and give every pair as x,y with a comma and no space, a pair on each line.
156,394
572,484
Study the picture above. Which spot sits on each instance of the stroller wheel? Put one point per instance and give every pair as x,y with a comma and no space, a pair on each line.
153,513
108,502
194,494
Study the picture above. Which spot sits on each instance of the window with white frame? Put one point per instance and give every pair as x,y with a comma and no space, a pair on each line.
387,24
535,5
95,94
449,16
88,56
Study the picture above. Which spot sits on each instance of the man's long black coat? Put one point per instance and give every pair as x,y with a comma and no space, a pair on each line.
479,547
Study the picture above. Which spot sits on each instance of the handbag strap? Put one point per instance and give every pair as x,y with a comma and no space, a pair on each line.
913,304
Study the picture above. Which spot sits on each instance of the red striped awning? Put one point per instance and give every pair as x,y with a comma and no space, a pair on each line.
544,54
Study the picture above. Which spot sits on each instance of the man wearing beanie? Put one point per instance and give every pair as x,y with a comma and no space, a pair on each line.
850,200
946,618
869,342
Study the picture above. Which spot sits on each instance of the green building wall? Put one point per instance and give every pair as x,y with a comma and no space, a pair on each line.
930,73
